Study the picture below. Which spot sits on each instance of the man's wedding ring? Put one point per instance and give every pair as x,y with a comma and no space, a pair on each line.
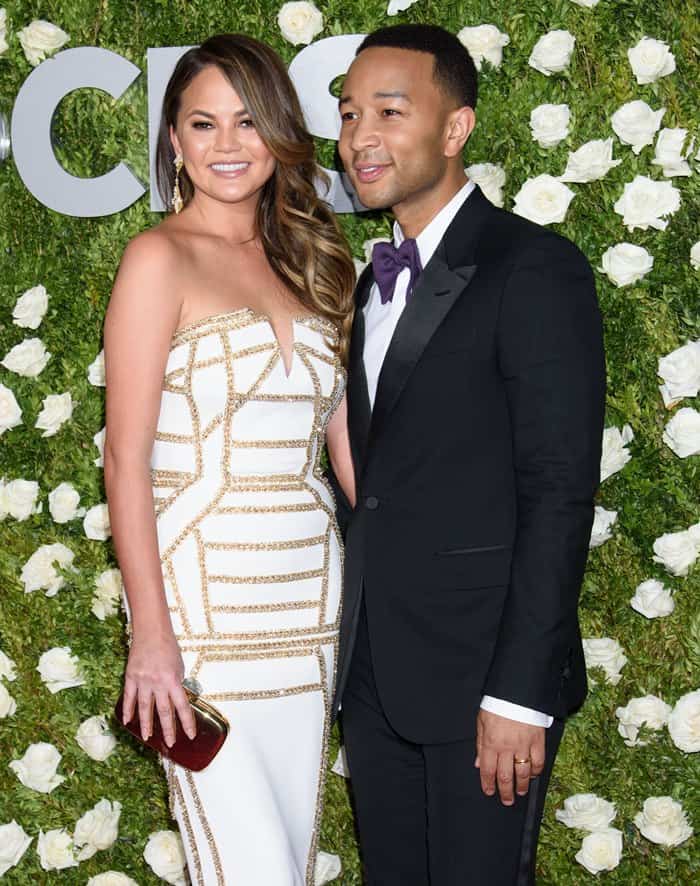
521,762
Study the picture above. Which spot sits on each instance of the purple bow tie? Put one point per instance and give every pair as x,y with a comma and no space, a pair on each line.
388,262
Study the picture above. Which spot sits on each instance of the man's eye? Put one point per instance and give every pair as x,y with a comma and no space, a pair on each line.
348,115
391,112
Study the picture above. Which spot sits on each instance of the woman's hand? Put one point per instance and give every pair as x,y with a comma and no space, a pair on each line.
154,674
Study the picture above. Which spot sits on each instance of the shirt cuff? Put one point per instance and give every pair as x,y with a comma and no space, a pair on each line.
515,712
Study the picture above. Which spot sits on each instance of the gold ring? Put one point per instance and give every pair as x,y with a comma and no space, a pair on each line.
521,762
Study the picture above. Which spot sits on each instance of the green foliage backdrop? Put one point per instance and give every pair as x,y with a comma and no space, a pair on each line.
656,492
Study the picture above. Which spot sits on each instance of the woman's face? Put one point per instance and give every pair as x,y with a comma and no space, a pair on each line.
223,154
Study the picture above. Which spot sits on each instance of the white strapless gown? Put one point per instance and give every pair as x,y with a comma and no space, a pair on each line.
251,558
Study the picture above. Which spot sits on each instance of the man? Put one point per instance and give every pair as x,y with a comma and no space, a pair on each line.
476,397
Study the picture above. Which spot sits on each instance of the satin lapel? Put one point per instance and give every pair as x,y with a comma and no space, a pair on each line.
359,412
436,292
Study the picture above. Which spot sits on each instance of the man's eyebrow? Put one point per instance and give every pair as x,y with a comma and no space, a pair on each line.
395,94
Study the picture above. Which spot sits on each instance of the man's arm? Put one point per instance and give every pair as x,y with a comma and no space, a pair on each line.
551,358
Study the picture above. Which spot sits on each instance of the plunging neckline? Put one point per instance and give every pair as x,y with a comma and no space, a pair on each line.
287,368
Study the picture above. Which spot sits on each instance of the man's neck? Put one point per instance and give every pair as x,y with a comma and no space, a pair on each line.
416,212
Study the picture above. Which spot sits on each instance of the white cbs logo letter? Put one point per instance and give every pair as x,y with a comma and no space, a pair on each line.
312,71
36,103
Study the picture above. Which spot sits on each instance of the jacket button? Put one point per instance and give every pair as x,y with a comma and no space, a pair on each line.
371,503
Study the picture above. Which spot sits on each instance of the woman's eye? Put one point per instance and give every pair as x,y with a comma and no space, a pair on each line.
201,124
248,124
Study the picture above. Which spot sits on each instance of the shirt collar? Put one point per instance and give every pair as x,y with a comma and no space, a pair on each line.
431,235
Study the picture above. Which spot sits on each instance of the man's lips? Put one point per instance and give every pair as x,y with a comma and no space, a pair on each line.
370,172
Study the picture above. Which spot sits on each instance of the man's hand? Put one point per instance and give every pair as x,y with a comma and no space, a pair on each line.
500,744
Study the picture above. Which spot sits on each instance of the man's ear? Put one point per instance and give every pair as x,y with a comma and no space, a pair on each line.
174,141
460,125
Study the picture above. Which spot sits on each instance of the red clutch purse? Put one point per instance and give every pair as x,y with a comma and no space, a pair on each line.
192,753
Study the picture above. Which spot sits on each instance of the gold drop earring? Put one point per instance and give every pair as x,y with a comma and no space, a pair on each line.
177,196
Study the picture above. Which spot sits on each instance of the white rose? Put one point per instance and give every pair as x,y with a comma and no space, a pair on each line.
59,669
108,592
7,668
96,371
39,39
669,152
328,868
590,162
14,842
37,768
111,878
368,246
28,358
30,308
651,59
340,767
8,705
636,124
587,812
95,738
63,503
600,851
588,4
649,711
56,411
605,653
663,821
165,855
97,829
18,499
615,455
10,413
694,260
552,52
96,523
490,178
603,522
652,599
99,441
396,6
55,850
682,433
677,551
680,371
299,22
644,202
543,200
626,263
549,124
484,43
684,723
3,48
39,572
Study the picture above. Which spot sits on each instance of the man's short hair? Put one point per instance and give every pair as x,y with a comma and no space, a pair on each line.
454,70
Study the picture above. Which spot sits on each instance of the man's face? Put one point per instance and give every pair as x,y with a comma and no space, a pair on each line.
395,121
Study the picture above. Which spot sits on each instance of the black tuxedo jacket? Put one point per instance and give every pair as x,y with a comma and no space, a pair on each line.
476,472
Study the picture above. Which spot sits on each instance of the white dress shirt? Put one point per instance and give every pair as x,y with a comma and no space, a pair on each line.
380,323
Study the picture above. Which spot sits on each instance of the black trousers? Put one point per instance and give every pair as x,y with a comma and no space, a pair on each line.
422,817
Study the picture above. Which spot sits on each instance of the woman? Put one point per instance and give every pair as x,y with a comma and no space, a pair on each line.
224,343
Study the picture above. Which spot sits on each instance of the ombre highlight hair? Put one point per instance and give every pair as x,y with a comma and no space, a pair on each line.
298,230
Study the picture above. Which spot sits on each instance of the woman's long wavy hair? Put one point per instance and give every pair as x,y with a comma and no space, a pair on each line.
299,232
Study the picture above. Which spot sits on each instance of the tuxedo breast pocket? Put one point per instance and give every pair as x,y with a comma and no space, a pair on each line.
473,567
451,345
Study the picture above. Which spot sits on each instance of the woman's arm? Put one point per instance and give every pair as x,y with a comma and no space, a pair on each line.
143,313
338,443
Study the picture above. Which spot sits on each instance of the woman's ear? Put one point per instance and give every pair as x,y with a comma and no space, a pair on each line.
175,141
460,126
